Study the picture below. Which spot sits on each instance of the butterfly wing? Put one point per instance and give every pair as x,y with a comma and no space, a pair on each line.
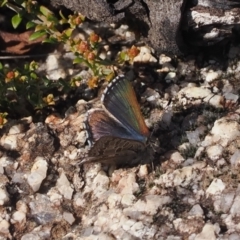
120,101
119,151
100,124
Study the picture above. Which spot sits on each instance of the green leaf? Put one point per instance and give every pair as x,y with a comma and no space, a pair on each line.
62,16
53,19
45,11
124,56
78,60
16,20
68,32
3,3
30,25
50,40
33,75
1,66
37,35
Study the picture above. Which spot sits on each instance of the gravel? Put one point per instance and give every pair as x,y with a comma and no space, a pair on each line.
191,192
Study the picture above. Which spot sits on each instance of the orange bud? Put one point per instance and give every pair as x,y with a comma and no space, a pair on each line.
91,56
10,75
83,47
94,38
93,82
85,54
78,20
133,52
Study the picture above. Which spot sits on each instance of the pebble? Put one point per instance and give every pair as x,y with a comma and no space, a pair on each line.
19,217
235,158
215,152
211,76
38,173
208,233
128,185
64,187
216,187
164,59
171,77
145,56
54,70
9,142
4,197
69,217
196,211
4,228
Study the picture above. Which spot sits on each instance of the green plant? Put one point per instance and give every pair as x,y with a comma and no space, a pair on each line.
26,85
3,118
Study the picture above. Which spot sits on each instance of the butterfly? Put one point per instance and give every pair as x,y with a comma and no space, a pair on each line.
118,131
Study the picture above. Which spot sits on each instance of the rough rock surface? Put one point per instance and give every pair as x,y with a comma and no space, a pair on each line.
171,26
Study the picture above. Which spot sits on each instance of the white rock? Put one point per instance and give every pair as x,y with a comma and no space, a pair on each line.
64,187
224,202
164,59
54,70
35,180
196,95
207,233
215,100
194,92
113,200
175,157
100,183
171,76
166,67
196,211
138,229
30,236
215,152
9,142
130,36
55,197
235,209
15,129
127,224
211,76
127,184
144,56
225,131
143,171
4,227
22,206
216,187
148,206
181,177
38,174
19,217
69,217
235,158
4,198
79,201
128,200
231,97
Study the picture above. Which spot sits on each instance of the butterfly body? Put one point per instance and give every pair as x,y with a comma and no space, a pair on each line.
118,131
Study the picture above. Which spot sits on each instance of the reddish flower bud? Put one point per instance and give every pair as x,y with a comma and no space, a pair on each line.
94,38
83,47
